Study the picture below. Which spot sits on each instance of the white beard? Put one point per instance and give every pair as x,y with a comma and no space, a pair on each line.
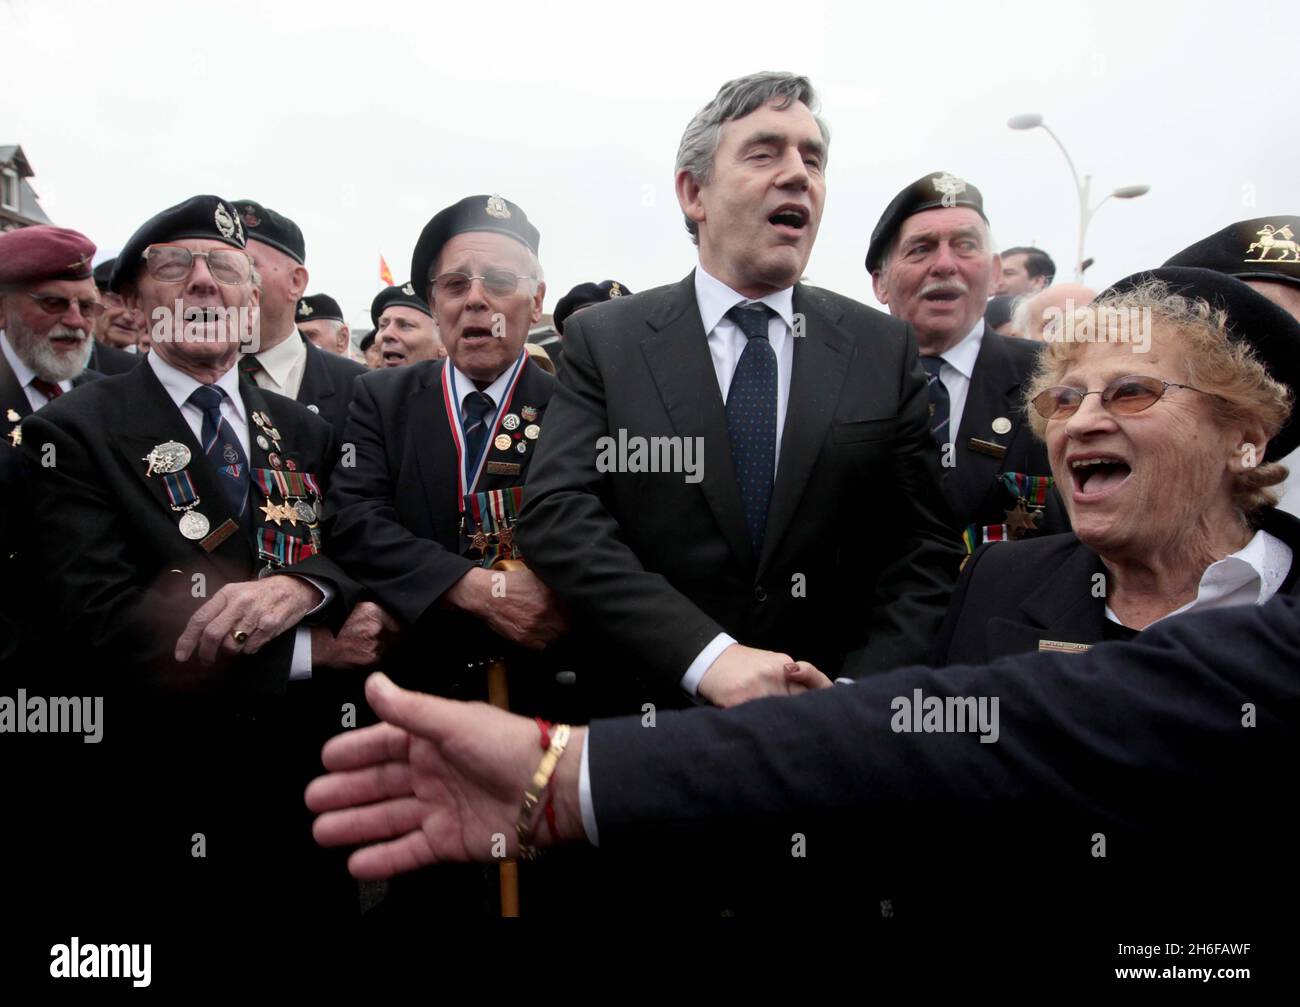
48,363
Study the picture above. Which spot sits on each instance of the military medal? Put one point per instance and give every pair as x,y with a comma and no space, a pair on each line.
1021,521
166,458
194,525
263,443
529,413
305,512
272,512
522,447
468,470
510,422
1031,497
16,436
1001,425
502,442
12,416
532,431
274,459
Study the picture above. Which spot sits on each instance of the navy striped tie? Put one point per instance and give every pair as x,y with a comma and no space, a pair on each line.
939,408
477,406
751,419
222,448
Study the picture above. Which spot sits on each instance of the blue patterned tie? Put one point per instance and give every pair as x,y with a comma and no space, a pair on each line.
938,400
222,448
477,406
751,419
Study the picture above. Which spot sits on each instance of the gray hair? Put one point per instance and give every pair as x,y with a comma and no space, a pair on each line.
735,100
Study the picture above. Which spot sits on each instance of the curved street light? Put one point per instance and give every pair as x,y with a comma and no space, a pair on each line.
1032,120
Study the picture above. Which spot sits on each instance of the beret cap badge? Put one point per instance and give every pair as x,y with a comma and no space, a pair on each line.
614,290
225,223
1270,237
408,289
251,218
496,207
305,309
949,186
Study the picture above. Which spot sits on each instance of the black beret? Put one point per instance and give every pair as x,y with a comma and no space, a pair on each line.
935,191
209,217
367,341
102,273
1270,330
584,294
998,311
317,307
473,213
271,228
1265,248
404,295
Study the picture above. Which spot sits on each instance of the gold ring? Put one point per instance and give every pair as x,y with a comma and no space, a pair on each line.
239,635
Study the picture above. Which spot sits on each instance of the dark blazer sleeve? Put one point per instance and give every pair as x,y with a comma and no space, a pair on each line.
94,588
1125,733
566,528
913,589
365,534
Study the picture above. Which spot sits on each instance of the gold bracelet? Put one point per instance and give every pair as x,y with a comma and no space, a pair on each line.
533,795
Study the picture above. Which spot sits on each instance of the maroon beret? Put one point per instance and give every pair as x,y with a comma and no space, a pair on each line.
35,254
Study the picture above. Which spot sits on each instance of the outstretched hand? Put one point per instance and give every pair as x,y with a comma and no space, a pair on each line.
439,781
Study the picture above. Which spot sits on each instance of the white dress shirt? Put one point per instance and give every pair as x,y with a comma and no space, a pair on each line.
495,391
726,344
179,386
955,373
1250,576
1290,490
24,374
283,366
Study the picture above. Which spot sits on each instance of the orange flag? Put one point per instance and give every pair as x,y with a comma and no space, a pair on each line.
385,274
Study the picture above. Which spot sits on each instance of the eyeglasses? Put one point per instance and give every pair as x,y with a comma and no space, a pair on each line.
57,306
497,282
170,263
1123,396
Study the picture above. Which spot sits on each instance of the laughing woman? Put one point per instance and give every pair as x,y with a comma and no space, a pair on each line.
1164,460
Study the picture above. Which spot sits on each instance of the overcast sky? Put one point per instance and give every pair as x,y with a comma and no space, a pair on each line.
362,120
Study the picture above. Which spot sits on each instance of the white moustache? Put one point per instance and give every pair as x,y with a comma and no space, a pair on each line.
63,332
945,287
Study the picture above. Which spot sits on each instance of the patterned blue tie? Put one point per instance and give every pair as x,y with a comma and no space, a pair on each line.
222,448
751,419
938,400
477,406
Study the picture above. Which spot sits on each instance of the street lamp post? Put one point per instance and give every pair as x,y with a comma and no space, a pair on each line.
1032,120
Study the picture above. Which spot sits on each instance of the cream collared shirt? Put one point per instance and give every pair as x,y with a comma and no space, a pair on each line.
283,366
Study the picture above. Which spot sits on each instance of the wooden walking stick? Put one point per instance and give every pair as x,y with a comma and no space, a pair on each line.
499,696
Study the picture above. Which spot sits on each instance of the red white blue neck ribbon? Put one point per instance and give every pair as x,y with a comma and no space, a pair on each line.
468,470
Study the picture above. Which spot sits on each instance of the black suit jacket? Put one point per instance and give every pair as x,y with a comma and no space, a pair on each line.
858,553
393,521
15,515
109,360
1012,595
973,486
1129,740
326,387
116,575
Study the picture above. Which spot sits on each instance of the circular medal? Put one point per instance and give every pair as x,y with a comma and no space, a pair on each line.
502,442
194,525
531,431
266,571
274,459
522,447
510,421
263,443
305,511
168,457
229,454
1001,425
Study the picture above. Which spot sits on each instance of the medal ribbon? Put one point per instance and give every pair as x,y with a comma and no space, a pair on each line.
1031,489
468,470
281,549
180,491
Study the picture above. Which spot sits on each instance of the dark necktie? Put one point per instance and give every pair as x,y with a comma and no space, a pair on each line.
49,389
222,448
751,419
249,365
477,406
938,400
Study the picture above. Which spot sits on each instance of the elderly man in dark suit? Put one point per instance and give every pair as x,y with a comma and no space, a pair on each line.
48,307
932,261
737,468
178,566
284,360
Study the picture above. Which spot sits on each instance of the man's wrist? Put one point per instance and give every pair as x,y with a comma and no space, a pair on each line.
564,791
466,595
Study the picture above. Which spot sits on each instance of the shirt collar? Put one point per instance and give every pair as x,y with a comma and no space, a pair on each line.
1261,563
496,390
962,357
179,386
715,299
22,372
280,360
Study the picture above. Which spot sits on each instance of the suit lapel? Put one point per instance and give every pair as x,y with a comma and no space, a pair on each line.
13,401
1065,610
993,385
820,363
316,385
677,353
152,419
435,450
533,391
